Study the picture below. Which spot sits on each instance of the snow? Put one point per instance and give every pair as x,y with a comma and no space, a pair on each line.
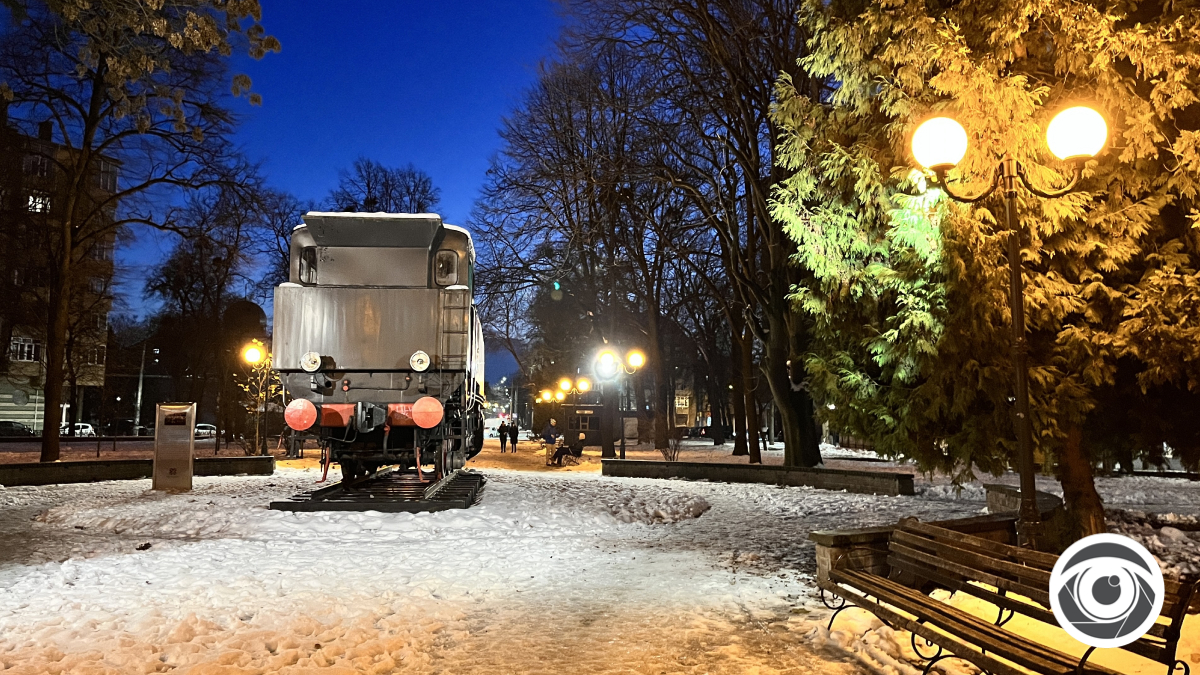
552,572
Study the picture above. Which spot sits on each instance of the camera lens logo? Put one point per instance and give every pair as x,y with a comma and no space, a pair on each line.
1106,590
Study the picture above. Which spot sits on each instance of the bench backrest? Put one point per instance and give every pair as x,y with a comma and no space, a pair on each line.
964,563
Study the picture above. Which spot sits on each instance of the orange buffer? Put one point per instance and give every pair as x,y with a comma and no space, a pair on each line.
337,414
400,415
427,412
302,415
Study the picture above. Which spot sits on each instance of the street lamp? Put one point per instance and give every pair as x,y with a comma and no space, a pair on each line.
1074,135
609,366
253,353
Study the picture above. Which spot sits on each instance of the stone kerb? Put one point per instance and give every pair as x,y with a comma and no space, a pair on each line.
90,471
863,482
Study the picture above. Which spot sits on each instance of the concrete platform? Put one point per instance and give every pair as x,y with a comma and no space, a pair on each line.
862,482
53,473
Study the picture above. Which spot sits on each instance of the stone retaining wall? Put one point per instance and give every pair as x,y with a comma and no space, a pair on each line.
90,471
863,482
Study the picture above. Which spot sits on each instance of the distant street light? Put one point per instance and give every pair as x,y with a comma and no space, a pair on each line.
608,366
1074,135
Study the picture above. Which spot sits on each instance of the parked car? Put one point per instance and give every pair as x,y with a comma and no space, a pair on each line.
206,431
15,429
81,429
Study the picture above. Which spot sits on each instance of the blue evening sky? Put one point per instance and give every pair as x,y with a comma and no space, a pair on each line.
399,82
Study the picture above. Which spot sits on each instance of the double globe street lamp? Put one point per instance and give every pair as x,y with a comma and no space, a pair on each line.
1074,135
608,366
566,386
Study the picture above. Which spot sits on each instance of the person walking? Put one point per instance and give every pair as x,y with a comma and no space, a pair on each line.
512,436
503,431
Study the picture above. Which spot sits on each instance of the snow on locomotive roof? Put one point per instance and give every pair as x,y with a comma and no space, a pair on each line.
392,230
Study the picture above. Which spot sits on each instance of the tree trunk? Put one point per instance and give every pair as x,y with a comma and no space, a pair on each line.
663,405
639,397
1084,507
717,410
739,388
56,347
750,388
802,441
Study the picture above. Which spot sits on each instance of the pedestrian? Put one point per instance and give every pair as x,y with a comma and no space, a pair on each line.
512,436
503,431
550,433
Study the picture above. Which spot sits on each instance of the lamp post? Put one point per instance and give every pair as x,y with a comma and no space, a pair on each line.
608,366
253,354
1074,135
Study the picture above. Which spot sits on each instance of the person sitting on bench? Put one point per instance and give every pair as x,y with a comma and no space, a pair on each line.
573,450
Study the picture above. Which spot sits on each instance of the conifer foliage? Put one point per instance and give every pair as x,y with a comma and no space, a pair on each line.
909,291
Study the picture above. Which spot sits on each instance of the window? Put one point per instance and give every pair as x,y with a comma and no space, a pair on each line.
39,202
102,323
106,177
682,402
583,423
97,285
37,166
308,265
102,252
445,268
25,349
96,355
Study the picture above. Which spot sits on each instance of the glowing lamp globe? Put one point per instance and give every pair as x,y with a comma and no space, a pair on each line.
583,384
636,359
252,354
559,397
546,395
939,143
565,384
1076,133
607,364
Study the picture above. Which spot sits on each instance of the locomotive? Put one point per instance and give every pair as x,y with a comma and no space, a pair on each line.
377,339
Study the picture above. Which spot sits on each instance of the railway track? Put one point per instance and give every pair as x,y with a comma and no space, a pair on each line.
390,491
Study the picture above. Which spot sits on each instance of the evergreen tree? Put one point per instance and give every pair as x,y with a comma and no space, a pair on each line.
909,296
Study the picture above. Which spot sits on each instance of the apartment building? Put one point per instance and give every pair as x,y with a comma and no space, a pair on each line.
32,205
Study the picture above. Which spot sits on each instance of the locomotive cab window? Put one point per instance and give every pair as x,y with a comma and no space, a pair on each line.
445,268
308,265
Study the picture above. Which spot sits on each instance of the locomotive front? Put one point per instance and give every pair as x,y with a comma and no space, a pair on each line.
377,339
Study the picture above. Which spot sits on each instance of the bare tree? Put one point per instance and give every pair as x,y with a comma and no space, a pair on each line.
127,83
371,186
718,62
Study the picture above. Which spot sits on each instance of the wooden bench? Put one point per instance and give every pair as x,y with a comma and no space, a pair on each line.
1014,580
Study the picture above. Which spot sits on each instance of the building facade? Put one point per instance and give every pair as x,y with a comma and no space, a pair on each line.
32,208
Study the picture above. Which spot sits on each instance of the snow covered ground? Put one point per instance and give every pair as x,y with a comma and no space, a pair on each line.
563,572
551,573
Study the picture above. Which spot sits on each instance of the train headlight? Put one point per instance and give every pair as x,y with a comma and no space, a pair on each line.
419,361
310,362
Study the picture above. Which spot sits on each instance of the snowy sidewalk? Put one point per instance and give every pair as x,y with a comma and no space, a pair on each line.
552,573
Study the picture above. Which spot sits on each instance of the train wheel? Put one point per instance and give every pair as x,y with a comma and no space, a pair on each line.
475,439
351,469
